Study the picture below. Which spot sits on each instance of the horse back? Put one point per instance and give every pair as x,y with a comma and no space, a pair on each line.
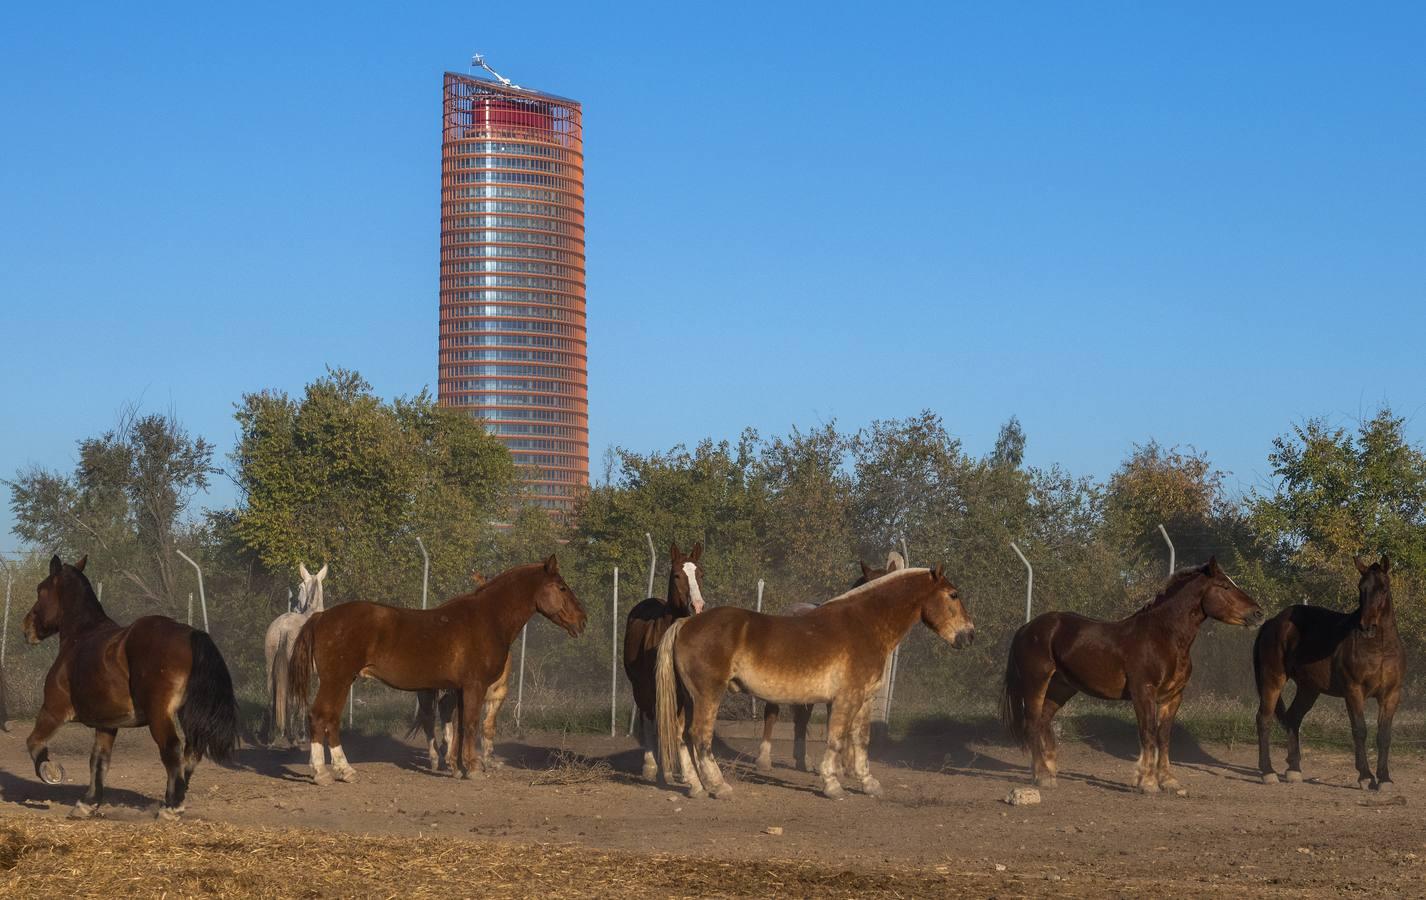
127,675
644,627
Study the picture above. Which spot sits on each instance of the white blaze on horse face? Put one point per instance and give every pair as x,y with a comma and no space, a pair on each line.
695,594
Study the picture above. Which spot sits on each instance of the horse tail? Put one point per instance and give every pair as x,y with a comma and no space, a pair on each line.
666,697
300,665
209,714
1012,698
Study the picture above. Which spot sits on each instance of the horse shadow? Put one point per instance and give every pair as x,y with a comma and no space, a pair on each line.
1119,738
31,793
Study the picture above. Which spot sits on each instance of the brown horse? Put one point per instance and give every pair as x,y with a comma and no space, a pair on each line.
154,672
1356,656
463,644
1143,658
802,712
645,627
835,654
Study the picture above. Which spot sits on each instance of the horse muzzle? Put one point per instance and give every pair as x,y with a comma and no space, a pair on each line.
31,635
964,638
1367,630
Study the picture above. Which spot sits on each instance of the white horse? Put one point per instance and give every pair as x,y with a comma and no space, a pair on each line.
277,646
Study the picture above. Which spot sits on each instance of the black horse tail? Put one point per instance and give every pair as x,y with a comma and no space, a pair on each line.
299,667
209,714
1012,698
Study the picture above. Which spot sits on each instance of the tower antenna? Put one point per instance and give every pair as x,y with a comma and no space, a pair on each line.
478,60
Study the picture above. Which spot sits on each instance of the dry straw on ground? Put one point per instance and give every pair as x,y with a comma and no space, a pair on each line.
47,857
568,767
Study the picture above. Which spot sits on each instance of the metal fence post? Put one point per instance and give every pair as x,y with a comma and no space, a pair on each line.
614,657
760,595
202,598
1164,531
1030,582
190,606
425,570
520,682
5,629
653,562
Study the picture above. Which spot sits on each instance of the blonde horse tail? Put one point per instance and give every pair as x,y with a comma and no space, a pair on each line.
666,698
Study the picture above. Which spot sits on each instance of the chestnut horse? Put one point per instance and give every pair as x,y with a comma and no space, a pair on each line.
836,653
1143,658
1357,656
802,712
645,627
463,645
154,672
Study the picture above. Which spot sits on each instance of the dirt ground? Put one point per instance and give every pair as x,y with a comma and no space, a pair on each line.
942,823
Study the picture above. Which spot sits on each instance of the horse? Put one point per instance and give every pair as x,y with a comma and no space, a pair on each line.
1356,656
802,712
154,672
1143,658
277,648
463,644
436,713
836,653
645,626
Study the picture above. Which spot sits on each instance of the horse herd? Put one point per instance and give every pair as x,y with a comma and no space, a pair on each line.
682,658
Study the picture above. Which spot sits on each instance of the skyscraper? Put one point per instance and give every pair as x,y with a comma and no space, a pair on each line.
513,349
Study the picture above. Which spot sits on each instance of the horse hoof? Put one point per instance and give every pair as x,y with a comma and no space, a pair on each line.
651,773
1292,776
723,792
170,814
347,774
51,772
1386,787
1365,784
697,793
1148,787
323,777
871,787
834,791
1046,781
1170,784
764,765
82,810
1269,778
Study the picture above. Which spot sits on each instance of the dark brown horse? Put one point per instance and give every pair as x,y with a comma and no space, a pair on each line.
802,712
836,653
1356,656
154,672
1144,659
463,644
645,627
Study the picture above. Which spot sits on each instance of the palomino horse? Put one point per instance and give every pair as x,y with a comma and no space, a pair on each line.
802,712
1143,658
154,672
835,654
646,625
461,645
1356,656
277,648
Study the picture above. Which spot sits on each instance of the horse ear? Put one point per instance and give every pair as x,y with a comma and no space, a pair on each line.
322,572
1385,564
1362,564
303,573
866,570
79,566
1212,567
552,565
697,552
674,553
56,565
939,574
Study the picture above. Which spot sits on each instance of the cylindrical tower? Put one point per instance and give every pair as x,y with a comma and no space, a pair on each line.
513,349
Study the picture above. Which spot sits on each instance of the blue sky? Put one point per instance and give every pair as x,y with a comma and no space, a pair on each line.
1117,222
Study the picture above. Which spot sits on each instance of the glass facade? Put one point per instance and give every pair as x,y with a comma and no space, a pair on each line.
512,326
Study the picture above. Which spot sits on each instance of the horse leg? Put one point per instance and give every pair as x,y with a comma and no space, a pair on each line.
1037,723
1057,694
1385,711
46,724
685,758
282,716
857,750
1146,712
1270,685
165,734
1357,712
801,718
448,706
472,699
770,714
88,805
1167,711
705,715
494,699
648,739
323,725
1292,720
844,710
426,721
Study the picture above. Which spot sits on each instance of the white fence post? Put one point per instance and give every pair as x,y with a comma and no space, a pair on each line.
425,570
760,595
202,598
99,592
1163,531
190,606
653,563
1030,582
520,682
614,657
5,629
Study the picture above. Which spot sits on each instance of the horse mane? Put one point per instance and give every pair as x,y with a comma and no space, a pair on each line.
883,581
508,575
1175,583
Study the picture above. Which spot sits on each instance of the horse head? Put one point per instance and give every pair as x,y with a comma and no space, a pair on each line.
54,596
685,580
1224,600
309,595
944,612
1373,593
555,600
894,562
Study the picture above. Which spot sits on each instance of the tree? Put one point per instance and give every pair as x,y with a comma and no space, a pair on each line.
124,504
808,515
1179,489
